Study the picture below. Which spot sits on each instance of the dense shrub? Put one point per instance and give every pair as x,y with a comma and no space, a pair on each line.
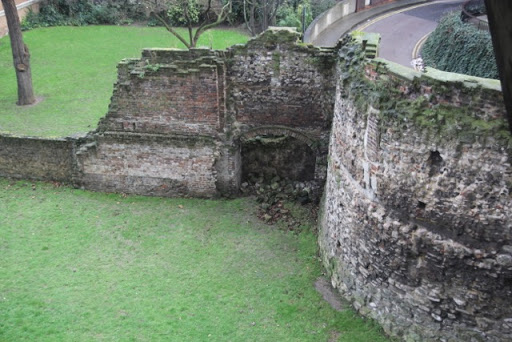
291,16
290,12
176,17
320,6
460,47
84,12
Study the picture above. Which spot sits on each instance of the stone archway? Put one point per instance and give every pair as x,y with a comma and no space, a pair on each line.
271,151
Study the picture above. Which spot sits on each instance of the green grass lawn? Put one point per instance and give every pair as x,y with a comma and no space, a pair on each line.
74,69
83,266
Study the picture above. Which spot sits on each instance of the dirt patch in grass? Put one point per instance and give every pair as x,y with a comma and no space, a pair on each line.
323,286
335,335
39,99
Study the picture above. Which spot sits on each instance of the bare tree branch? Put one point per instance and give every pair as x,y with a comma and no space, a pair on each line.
260,14
190,18
171,29
221,17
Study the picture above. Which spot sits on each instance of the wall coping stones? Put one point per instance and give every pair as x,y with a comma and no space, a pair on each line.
439,75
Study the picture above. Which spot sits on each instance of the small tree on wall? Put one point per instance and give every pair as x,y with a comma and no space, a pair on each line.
20,54
197,17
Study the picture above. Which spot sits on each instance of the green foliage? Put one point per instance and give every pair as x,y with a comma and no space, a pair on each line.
83,12
320,6
176,13
287,16
291,16
153,21
287,12
475,7
83,266
460,47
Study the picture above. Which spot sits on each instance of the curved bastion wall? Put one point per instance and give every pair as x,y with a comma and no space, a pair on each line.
417,210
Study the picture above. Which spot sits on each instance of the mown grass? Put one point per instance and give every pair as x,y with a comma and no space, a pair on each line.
83,266
74,69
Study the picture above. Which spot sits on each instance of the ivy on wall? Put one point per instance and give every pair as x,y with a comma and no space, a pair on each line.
460,47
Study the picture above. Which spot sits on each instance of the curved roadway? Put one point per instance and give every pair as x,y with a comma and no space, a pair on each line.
404,30
401,30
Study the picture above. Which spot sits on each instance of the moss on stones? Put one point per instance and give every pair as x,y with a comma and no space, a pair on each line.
442,106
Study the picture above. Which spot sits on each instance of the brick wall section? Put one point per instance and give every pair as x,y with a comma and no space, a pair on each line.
149,165
161,134
417,221
166,98
33,158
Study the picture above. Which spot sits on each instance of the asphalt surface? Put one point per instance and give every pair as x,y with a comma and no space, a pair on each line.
331,35
401,30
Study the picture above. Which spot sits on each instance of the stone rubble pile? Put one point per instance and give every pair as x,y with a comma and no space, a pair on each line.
269,191
274,193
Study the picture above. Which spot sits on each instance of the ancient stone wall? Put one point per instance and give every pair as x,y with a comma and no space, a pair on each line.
35,158
277,82
176,118
167,92
416,225
149,165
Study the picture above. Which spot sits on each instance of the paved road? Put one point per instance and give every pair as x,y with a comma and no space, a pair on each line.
331,35
402,30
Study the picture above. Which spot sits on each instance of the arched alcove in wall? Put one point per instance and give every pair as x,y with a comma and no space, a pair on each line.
278,151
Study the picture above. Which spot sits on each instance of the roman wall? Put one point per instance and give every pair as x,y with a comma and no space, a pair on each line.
416,224
37,158
178,120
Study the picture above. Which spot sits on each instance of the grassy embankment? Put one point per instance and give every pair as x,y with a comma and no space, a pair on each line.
83,266
74,69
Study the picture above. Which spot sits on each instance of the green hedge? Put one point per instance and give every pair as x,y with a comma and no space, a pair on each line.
84,12
460,47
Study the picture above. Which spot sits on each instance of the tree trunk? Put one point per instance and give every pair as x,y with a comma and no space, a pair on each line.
264,16
252,21
499,13
20,54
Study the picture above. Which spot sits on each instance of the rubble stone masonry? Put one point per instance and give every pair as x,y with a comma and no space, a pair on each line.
178,118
